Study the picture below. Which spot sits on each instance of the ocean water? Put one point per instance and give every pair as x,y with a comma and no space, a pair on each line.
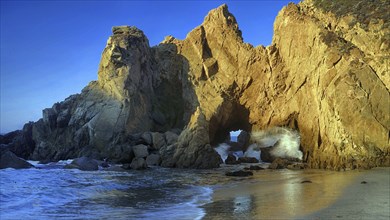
52,192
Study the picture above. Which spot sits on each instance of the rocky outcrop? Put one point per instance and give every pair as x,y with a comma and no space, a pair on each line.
19,142
83,163
325,74
336,92
10,160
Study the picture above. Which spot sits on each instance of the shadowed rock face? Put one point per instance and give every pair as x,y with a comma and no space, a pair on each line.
324,74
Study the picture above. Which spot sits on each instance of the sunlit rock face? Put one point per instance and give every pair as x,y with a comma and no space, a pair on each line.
325,74
337,82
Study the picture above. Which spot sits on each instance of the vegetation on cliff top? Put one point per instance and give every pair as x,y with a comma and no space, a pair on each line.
365,11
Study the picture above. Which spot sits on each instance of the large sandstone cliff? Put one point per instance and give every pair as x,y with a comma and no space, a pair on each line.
326,74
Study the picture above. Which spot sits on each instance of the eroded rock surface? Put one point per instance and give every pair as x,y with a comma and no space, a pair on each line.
326,74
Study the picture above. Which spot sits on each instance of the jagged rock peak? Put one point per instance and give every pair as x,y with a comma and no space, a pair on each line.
221,17
129,30
126,36
125,56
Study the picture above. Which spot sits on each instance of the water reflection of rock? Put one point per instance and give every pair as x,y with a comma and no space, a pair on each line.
240,207
278,195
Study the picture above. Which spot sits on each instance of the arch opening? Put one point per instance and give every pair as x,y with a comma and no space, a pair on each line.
231,117
234,134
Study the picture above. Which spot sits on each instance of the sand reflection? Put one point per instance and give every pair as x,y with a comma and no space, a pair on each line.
279,194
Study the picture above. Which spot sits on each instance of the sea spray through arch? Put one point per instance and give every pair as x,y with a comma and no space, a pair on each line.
285,143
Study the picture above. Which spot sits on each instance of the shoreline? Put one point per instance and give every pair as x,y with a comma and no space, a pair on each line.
368,197
304,194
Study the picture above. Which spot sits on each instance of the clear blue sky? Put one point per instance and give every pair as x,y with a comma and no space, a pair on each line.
52,49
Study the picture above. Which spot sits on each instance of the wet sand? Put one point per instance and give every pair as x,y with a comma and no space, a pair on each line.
304,194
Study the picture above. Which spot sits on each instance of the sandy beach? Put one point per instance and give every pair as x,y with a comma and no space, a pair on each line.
304,194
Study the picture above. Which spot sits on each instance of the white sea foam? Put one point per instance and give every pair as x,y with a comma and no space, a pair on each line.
238,154
252,151
33,162
50,165
285,142
191,209
223,151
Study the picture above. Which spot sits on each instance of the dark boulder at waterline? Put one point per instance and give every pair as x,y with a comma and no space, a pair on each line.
266,156
279,163
138,164
83,163
239,173
244,138
10,160
231,159
153,160
248,160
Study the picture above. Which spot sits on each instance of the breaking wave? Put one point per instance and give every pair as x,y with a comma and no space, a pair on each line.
285,143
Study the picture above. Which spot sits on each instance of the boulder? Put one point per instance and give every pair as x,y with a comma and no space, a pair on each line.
83,163
240,173
279,163
138,164
171,137
265,155
231,159
153,160
147,138
140,151
244,138
158,140
248,160
10,160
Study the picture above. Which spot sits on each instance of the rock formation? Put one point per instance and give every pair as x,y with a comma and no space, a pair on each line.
326,74
9,160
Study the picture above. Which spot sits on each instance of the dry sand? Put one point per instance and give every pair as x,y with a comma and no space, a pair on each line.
304,194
